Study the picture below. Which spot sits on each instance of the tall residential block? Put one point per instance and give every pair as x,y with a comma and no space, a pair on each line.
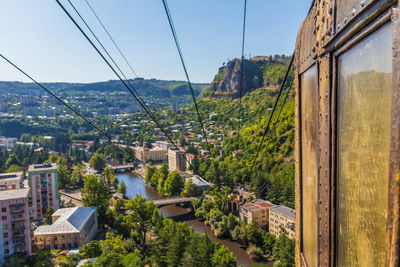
43,180
15,225
176,160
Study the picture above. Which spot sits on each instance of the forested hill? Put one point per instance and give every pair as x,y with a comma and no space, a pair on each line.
274,169
153,87
258,72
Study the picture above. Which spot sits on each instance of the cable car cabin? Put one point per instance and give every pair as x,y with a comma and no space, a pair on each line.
347,65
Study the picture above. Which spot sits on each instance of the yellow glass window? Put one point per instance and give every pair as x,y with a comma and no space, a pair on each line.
309,158
364,115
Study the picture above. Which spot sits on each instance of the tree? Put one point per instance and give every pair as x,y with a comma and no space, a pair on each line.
109,175
268,242
254,252
140,220
97,162
47,215
13,160
149,173
122,188
63,174
190,189
284,251
14,168
222,257
174,184
91,249
77,175
96,194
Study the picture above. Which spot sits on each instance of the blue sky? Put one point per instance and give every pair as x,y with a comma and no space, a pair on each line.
39,37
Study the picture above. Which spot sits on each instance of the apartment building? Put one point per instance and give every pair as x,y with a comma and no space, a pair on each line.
10,181
282,220
176,160
15,225
257,210
7,142
43,180
155,154
70,228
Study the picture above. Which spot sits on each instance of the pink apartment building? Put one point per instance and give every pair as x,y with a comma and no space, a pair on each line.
15,223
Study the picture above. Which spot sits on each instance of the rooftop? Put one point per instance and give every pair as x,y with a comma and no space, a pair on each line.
285,211
257,204
199,181
11,176
70,220
42,167
15,193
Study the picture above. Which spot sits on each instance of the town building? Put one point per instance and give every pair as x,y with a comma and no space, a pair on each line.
70,228
282,220
163,144
15,225
176,160
202,185
2,107
48,112
155,154
10,181
43,180
7,143
30,111
257,210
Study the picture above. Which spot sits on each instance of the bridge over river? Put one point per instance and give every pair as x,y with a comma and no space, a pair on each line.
170,201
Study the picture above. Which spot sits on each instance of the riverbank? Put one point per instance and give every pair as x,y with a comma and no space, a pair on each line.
136,186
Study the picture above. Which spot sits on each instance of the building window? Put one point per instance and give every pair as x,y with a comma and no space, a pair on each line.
4,218
3,209
5,235
309,159
364,122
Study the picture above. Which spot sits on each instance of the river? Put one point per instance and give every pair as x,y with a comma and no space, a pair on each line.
136,186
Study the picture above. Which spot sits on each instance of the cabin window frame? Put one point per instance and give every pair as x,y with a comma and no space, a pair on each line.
299,110
388,16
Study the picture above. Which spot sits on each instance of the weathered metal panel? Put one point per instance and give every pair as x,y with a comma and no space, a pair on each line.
307,41
324,159
346,10
393,236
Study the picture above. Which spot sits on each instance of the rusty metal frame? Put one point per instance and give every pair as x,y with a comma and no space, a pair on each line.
392,239
300,160
313,47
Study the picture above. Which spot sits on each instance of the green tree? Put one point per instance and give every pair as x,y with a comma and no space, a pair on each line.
190,189
222,257
284,251
174,184
109,175
90,250
13,160
47,215
140,220
13,168
268,242
96,194
254,252
97,162
77,175
122,188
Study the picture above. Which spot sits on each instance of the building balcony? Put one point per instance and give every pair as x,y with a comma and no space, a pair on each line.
17,219
18,227
19,210
19,235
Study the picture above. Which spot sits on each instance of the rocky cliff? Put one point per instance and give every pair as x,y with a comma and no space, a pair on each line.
258,72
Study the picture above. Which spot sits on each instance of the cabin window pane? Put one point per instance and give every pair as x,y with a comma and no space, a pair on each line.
309,137
364,115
